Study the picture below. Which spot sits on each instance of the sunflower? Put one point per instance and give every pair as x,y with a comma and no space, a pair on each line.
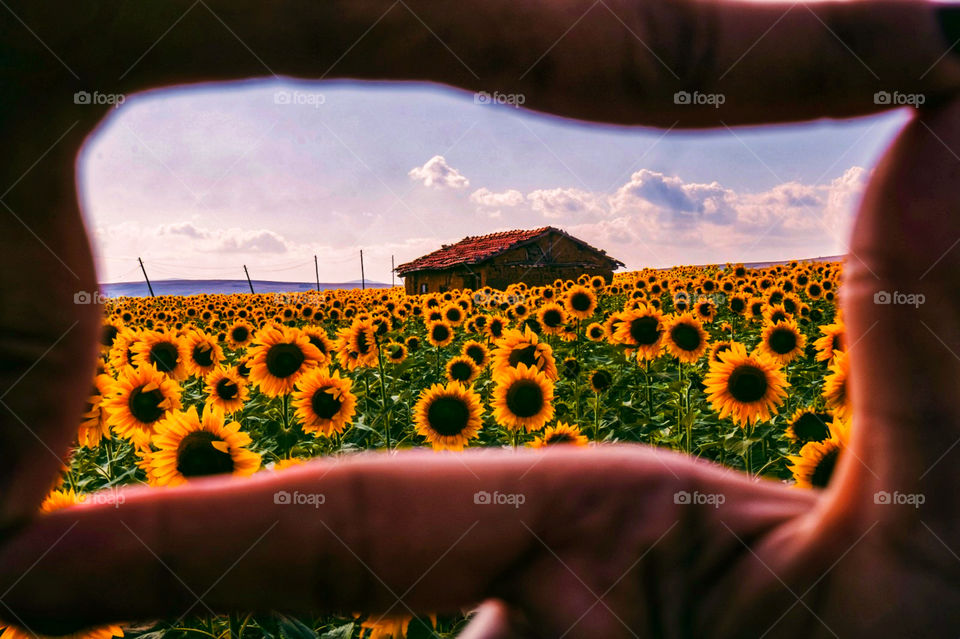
684,338
453,315
552,318
121,353
476,351
240,334
580,302
516,348
163,351
319,338
462,369
356,347
562,433
439,334
832,341
324,403
522,398
412,343
815,464
808,425
782,341
448,415
835,390
226,390
203,353
94,425
138,400
396,352
600,380
595,332
496,327
191,446
280,356
642,329
746,388
718,348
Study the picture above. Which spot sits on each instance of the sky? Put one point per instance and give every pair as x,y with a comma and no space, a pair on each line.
200,181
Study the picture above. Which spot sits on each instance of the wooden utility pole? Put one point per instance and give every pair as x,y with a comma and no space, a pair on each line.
247,273
316,269
149,286
363,278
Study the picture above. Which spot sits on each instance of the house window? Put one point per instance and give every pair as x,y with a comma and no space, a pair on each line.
423,287
534,253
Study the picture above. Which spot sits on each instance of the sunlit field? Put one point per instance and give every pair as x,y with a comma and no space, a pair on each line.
742,367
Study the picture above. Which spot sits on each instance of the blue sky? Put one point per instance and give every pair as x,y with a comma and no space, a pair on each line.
269,173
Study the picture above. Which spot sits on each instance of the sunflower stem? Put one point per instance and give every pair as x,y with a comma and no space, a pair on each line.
383,393
596,416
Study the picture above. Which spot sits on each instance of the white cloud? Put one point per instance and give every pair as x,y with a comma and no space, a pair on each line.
491,199
570,203
436,173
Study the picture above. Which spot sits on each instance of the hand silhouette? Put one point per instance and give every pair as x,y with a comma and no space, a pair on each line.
602,546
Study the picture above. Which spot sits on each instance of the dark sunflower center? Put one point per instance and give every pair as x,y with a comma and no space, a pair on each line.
824,470
778,316
811,427
782,341
553,318
243,370
645,330
318,343
109,334
837,343
476,354
596,332
164,356
197,457
814,290
146,406
747,383
460,371
737,305
686,337
240,334
580,302
203,355
448,415
560,438
324,404
283,360
440,333
363,344
525,398
526,355
601,380
723,348
227,389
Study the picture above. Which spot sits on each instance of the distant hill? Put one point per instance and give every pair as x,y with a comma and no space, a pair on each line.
196,287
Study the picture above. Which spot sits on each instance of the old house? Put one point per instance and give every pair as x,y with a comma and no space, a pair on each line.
536,257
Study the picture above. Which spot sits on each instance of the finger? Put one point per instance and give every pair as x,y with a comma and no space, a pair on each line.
493,619
903,318
375,544
735,62
47,340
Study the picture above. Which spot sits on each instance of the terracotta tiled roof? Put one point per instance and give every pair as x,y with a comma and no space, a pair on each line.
476,249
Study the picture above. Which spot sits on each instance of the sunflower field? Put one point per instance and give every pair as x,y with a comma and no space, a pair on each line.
744,367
